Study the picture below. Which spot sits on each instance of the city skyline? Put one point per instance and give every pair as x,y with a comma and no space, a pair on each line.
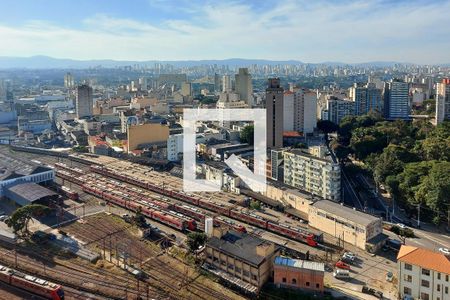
406,31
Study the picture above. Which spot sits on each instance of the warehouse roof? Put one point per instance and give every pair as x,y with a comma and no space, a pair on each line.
300,264
30,191
345,212
239,245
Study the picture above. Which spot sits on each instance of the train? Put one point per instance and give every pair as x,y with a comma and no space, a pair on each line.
308,236
31,284
150,210
69,193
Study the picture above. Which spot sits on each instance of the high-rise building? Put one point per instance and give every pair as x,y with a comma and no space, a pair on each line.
84,101
313,171
69,81
396,100
3,91
443,101
274,113
336,109
367,98
226,83
244,86
216,82
299,106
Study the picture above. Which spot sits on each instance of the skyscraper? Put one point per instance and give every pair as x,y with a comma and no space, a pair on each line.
69,82
226,83
274,113
396,100
244,86
300,110
216,82
443,101
84,101
367,98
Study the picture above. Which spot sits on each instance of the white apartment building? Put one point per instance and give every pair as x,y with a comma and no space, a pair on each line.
443,101
175,147
299,111
423,274
313,171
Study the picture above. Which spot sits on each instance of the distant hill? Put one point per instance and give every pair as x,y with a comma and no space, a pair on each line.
46,62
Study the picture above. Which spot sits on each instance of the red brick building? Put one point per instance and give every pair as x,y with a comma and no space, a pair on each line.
301,274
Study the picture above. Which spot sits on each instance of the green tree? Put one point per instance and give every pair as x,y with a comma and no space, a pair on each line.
195,240
247,134
255,205
20,219
326,126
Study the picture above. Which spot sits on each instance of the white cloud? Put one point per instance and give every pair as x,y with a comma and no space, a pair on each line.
312,31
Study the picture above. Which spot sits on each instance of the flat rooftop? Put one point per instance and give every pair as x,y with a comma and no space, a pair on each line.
239,245
345,212
299,264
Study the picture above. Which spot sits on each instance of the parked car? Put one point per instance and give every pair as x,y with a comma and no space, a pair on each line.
401,225
371,291
389,276
341,274
3,218
445,251
342,265
349,256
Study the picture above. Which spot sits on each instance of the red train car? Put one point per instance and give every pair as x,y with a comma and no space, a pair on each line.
229,223
190,211
217,207
31,284
170,220
293,232
69,193
249,218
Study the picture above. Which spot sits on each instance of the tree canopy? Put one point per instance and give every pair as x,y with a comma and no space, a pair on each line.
195,240
20,219
247,134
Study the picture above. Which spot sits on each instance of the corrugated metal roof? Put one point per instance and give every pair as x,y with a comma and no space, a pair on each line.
30,191
344,212
300,264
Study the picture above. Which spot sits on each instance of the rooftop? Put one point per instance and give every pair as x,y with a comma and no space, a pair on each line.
424,258
345,212
30,191
240,245
300,264
13,168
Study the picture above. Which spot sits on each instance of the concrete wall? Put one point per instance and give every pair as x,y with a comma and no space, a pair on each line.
298,278
146,134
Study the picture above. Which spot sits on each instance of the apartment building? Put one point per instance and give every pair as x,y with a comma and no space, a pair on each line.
245,257
337,109
350,226
443,101
423,274
313,171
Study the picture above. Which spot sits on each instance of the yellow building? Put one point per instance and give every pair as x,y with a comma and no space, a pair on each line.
146,134
351,226
242,256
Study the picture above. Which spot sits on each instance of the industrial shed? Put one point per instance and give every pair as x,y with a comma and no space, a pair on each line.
29,192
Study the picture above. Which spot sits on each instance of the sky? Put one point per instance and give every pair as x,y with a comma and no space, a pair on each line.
416,31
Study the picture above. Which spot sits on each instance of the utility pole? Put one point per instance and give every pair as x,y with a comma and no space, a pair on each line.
418,215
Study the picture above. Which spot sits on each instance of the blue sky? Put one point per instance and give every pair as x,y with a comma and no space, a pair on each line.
312,31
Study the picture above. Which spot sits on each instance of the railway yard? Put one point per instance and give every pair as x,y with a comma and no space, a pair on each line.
106,189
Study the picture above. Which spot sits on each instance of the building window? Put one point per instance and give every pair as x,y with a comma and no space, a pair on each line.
230,266
284,279
425,283
246,273
238,270
439,276
406,291
438,287
426,272
408,267
446,289
446,278
294,281
254,277
317,285
424,296
407,278
307,283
